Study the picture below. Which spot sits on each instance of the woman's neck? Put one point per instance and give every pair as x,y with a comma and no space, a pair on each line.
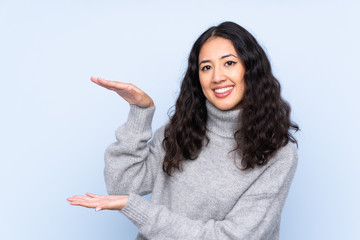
223,123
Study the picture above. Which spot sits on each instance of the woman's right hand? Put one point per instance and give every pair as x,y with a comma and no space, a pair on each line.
127,91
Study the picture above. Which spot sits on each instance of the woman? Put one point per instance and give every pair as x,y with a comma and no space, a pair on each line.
222,167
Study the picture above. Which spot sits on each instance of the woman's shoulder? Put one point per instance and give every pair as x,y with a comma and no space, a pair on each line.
289,148
160,130
286,156
159,133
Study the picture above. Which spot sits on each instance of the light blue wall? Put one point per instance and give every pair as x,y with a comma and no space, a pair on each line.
55,123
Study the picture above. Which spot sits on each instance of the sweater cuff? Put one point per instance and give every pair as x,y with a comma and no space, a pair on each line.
136,209
139,119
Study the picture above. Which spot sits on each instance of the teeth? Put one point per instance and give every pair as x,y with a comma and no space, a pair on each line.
222,90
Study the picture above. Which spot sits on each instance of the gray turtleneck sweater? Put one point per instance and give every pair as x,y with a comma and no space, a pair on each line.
211,198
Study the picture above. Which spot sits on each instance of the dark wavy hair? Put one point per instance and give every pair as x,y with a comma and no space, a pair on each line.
264,122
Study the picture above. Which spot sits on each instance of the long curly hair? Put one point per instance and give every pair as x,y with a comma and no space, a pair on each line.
264,122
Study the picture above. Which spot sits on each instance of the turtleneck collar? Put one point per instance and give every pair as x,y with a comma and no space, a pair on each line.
222,123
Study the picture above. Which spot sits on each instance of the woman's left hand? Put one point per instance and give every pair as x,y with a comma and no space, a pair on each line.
111,202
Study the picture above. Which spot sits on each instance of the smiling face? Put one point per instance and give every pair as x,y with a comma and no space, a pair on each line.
221,73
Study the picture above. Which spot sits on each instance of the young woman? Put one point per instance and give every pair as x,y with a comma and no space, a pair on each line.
222,167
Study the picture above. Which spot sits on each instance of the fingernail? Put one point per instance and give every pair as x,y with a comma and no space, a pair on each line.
97,209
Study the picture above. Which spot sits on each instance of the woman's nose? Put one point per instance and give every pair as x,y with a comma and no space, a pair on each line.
218,75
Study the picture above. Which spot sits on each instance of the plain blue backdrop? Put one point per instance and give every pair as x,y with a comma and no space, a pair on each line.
56,124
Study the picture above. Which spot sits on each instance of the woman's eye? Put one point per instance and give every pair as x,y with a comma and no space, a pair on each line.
229,63
207,67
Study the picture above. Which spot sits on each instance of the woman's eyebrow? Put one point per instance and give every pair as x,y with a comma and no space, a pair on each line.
228,55
204,61
225,56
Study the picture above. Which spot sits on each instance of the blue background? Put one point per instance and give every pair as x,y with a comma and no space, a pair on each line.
56,124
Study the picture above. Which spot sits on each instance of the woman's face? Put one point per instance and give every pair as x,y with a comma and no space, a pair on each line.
221,73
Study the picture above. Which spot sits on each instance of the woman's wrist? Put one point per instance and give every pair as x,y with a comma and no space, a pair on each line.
125,200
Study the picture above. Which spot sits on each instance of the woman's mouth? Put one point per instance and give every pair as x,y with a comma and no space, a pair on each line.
223,91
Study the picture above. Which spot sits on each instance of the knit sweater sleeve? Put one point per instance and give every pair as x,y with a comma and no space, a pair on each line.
131,161
255,215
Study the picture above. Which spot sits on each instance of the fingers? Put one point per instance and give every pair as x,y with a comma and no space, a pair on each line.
88,197
94,195
112,85
101,82
127,91
90,200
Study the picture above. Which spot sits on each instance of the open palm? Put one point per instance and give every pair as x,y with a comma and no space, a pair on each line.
127,91
111,202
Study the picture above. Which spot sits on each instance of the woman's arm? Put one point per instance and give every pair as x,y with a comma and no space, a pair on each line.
131,161
255,215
